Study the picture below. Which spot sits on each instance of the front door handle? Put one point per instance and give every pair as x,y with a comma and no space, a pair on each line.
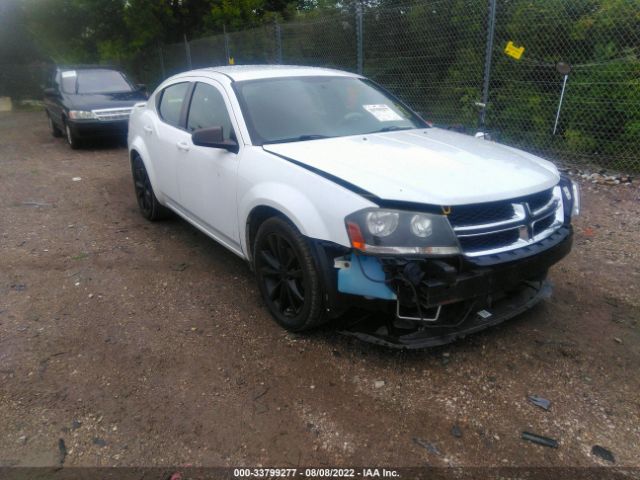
184,146
147,129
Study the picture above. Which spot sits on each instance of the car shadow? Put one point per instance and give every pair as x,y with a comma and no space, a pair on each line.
107,143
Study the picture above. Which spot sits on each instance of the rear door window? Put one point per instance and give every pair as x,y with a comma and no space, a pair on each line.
171,103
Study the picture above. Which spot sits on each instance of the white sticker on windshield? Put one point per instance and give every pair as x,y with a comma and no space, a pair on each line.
382,112
69,74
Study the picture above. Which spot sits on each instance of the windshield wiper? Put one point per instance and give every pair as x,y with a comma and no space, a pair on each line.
392,128
300,138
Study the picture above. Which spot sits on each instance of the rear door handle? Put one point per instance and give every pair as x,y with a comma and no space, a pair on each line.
148,129
184,146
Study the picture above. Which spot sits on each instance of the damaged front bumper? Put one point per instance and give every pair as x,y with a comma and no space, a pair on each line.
402,334
431,302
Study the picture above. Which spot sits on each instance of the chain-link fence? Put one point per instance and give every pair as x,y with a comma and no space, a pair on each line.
560,78
596,117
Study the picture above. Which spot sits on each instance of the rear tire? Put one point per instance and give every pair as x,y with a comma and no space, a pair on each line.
287,276
55,131
149,206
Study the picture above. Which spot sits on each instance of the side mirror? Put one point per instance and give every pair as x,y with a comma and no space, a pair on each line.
50,92
213,137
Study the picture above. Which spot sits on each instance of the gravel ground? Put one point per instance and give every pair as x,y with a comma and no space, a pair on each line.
146,344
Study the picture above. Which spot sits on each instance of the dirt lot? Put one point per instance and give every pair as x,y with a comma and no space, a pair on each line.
147,344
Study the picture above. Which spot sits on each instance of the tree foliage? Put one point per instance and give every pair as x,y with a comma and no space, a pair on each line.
95,30
430,52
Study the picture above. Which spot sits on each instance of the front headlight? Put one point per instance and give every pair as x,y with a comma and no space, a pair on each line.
421,225
382,223
81,115
396,232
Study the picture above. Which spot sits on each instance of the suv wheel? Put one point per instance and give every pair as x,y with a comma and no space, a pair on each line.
287,276
150,208
55,131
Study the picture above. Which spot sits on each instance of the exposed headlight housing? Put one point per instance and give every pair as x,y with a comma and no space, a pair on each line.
396,232
575,210
81,115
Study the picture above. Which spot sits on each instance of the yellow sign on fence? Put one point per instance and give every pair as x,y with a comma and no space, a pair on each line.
513,51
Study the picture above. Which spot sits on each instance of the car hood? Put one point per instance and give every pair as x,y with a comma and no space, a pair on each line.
432,166
104,100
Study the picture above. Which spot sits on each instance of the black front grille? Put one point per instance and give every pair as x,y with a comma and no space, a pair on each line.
490,212
477,219
489,241
539,200
543,224
482,213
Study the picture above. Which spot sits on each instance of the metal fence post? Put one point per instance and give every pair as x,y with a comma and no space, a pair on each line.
359,38
187,50
278,32
161,62
227,53
487,60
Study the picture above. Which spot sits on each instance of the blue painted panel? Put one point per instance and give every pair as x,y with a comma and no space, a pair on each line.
352,280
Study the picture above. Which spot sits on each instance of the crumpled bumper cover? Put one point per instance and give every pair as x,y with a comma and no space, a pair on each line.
383,333
478,298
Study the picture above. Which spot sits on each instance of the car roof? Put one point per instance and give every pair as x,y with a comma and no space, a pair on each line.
87,67
255,72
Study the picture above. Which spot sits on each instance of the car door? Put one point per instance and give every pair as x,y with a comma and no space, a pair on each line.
208,175
163,132
53,100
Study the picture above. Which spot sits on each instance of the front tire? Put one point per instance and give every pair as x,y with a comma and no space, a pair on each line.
72,139
287,276
149,206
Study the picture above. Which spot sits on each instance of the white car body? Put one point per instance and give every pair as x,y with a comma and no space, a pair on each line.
431,166
317,183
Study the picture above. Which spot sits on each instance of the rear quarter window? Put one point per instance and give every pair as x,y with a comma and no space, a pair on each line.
171,102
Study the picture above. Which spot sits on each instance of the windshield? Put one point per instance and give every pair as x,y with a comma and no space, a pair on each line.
279,110
94,81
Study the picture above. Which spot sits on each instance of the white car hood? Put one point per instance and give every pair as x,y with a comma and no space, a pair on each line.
432,166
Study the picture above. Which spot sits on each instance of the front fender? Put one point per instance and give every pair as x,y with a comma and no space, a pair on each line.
290,202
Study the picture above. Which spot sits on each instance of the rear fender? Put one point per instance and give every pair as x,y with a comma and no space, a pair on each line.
137,146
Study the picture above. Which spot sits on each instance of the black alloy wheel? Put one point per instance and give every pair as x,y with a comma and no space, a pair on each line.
150,208
287,275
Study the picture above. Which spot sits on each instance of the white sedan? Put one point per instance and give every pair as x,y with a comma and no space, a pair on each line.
338,195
